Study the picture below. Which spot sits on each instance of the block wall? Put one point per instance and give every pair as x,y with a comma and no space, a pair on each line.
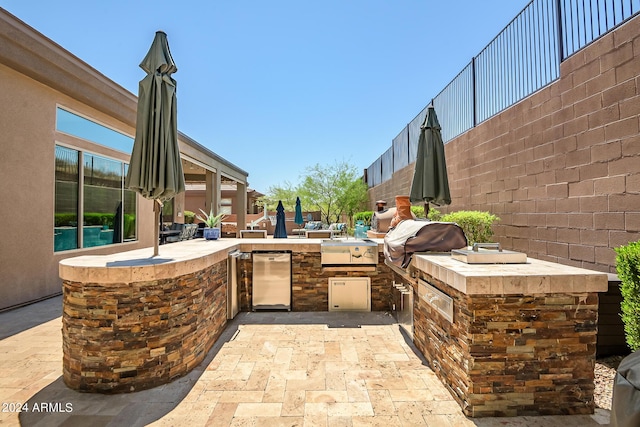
562,167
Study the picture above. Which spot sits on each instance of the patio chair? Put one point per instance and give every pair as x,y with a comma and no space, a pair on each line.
191,231
200,230
338,228
177,237
311,225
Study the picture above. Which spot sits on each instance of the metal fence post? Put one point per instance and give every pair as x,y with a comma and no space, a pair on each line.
560,31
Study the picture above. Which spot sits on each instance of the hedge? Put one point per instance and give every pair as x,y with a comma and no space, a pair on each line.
475,224
628,267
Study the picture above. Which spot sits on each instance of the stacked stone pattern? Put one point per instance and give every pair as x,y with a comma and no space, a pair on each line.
125,337
512,355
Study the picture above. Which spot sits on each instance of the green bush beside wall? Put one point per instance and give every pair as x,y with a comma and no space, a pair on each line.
475,224
628,267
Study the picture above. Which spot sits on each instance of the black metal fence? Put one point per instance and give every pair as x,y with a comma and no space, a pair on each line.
523,58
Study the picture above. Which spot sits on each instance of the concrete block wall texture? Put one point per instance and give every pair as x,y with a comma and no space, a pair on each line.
561,168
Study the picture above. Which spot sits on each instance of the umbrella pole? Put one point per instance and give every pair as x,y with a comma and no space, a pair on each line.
156,233
426,210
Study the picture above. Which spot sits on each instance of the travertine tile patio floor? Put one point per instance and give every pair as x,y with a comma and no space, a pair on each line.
268,369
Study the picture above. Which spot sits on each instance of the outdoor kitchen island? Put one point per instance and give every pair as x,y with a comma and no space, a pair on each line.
508,339
505,340
131,321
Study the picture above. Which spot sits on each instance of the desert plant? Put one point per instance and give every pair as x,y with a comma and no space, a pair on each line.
628,268
211,220
364,216
475,224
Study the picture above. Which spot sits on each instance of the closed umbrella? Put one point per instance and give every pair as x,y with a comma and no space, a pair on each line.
299,220
281,229
155,170
430,181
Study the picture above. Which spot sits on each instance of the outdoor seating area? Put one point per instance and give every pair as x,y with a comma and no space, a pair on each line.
178,232
310,225
317,229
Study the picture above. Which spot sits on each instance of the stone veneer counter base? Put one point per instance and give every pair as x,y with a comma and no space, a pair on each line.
522,340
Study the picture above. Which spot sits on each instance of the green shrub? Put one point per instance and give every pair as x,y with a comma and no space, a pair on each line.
189,217
628,267
418,211
364,216
434,214
475,224
65,219
95,218
129,231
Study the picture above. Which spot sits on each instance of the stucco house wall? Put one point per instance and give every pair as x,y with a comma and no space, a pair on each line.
36,77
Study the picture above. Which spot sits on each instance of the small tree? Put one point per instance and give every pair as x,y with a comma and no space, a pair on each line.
286,193
354,198
333,190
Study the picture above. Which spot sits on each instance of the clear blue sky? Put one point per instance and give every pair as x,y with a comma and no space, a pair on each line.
276,86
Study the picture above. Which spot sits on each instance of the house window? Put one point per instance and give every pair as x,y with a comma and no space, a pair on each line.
226,205
108,211
66,199
80,127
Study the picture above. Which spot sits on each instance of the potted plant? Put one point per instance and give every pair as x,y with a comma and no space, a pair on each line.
212,224
363,223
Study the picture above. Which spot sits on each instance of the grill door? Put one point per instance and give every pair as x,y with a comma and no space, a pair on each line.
349,294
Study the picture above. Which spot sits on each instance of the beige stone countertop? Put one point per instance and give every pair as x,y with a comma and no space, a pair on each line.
174,259
534,277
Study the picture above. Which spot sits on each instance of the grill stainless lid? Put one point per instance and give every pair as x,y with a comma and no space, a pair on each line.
345,252
488,253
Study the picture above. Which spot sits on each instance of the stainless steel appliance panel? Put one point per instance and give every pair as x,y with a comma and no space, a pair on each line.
233,305
403,306
349,252
349,294
271,281
488,253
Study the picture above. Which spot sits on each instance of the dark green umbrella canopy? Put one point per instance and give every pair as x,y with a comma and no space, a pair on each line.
281,228
298,218
430,181
155,169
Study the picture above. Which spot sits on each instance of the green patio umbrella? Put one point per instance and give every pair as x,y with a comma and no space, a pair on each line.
298,219
155,169
430,181
280,231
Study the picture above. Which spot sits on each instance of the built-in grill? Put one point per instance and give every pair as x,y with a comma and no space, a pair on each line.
488,253
349,252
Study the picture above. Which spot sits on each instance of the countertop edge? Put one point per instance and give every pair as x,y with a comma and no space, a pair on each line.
174,259
534,277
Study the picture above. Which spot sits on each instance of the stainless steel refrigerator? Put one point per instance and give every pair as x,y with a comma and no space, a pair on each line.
271,281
